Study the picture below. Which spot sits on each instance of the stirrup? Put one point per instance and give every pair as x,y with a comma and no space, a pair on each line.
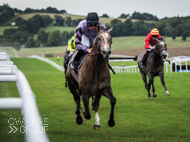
72,64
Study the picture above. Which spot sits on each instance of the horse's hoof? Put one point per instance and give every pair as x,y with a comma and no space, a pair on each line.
79,120
150,98
87,116
154,95
96,127
167,93
111,122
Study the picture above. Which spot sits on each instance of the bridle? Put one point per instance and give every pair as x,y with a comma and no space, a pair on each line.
160,52
102,47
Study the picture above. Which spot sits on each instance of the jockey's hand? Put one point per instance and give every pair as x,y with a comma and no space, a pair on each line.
153,47
89,50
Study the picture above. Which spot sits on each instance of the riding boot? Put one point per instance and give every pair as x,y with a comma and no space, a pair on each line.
77,56
143,60
67,59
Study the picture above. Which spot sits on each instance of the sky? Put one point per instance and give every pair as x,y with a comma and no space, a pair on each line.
113,8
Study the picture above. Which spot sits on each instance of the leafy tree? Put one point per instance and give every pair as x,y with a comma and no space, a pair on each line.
54,38
127,31
122,16
173,33
40,20
138,28
160,27
175,23
6,15
30,42
28,10
42,37
68,21
65,36
51,10
114,22
19,21
105,16
184,36
34,25
59,21
47,20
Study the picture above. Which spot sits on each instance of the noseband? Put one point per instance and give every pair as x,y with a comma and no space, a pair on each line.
101,53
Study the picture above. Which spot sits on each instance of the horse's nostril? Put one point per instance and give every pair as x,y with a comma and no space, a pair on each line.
109,52
104,52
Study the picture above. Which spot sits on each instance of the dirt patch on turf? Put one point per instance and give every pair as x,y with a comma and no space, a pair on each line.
173,52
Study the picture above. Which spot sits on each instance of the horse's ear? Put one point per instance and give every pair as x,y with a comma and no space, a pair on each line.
109,31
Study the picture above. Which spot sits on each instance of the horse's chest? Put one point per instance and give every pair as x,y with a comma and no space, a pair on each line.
93,85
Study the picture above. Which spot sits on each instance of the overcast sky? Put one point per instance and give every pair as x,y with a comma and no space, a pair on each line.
114,8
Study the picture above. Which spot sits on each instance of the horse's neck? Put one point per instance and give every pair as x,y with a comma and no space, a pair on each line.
156,57
97,59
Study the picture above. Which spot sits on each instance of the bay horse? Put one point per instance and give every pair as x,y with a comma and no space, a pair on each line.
154,67
93,79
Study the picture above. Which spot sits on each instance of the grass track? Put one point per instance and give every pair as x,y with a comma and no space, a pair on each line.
165,118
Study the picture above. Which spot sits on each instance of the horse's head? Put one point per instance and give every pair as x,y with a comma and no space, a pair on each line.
161,48
103,42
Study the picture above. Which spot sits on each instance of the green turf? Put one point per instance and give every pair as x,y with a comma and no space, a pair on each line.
60,28
165,118
2,28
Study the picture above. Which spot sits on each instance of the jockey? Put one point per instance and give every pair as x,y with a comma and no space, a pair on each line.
86,28
71,47
150,43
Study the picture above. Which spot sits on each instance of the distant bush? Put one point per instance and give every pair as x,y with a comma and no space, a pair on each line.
49,55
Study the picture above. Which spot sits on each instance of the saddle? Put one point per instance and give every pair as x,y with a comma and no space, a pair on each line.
79,62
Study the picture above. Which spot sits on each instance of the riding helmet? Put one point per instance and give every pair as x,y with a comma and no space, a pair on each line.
92,17
154,32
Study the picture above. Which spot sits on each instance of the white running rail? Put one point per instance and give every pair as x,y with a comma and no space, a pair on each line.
127,69
48,61
178,61
27,103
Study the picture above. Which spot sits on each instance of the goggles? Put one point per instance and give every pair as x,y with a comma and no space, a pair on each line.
92,24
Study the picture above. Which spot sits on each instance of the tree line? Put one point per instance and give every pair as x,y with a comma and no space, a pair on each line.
23,36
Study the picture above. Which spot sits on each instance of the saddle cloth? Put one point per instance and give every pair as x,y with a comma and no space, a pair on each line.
79,62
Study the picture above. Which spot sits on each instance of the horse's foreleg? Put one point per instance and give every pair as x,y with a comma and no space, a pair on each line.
153,90
85,99
77,101
145,81
108,93
147,86
151,80
96,106
163,83
93,102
